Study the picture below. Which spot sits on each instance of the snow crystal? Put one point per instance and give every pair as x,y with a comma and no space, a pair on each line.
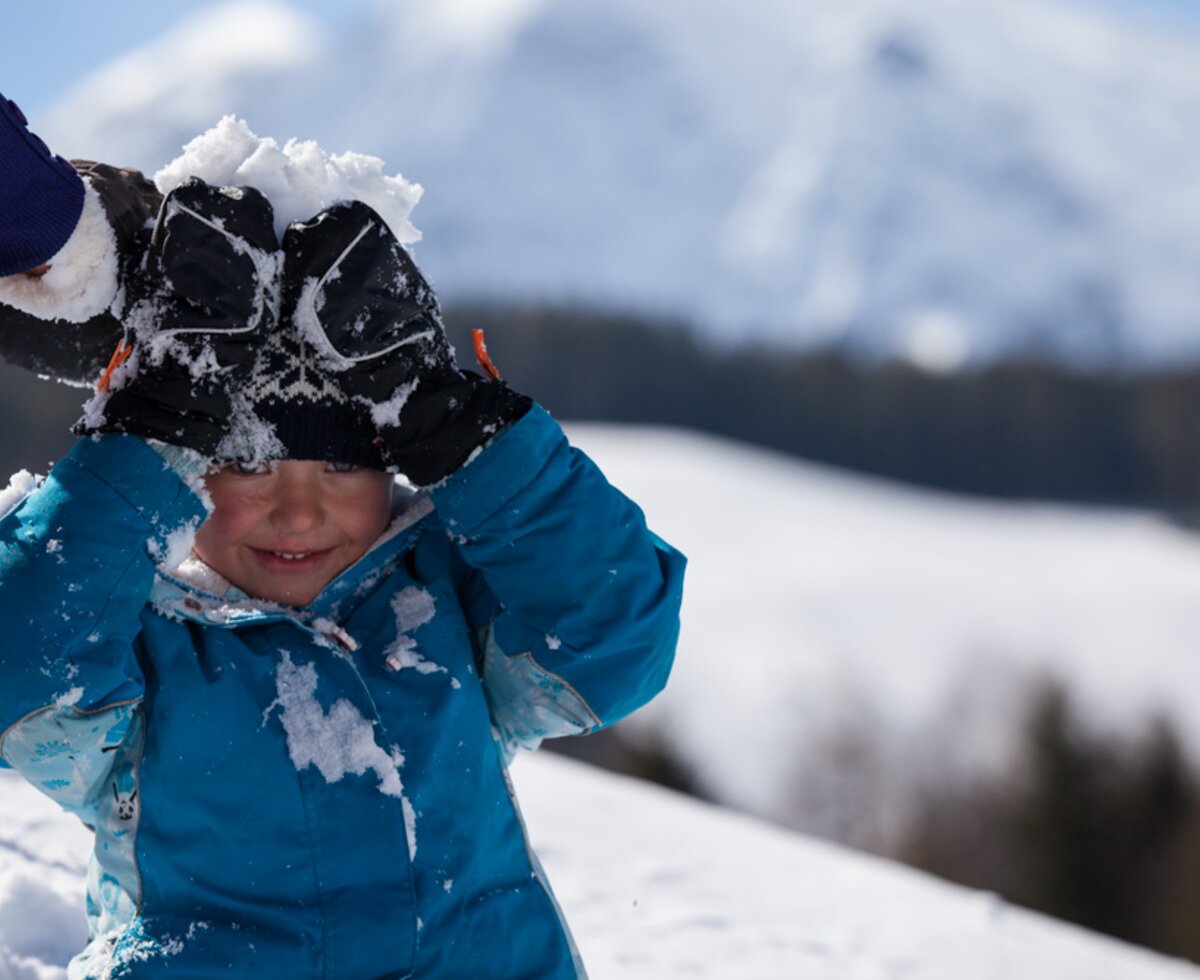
306,319
307,316
181,344
816,911
189,465
337,742
176,548
553,642
70,698
333,635
118,949
250,438
387,413
92,417
300,179
20,485
412,607
410,825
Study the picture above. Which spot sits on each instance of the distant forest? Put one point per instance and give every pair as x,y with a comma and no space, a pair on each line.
1015,430
1023,430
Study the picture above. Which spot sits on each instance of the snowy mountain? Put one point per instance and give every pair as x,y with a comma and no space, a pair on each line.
824,610
655,885
950,180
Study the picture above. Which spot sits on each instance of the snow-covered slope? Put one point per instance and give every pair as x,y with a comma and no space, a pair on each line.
843,638
817,604
949,179
655,885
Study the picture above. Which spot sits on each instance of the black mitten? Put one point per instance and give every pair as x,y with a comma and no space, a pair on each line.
356,296
445,419
201,300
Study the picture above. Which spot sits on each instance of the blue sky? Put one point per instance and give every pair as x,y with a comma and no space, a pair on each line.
45,48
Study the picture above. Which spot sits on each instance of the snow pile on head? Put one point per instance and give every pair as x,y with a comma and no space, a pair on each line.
300,179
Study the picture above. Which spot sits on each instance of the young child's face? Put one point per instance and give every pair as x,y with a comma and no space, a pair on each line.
285,531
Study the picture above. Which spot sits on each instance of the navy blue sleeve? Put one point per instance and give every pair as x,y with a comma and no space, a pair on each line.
41,196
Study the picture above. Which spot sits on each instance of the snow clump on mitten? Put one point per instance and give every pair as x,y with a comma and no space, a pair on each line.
300,179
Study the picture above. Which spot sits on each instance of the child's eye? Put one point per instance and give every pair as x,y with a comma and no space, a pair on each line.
250,469
341,467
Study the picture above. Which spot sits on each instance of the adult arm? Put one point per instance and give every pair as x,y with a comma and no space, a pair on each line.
67,232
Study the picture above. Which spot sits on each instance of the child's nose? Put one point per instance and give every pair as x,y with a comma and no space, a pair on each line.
297,511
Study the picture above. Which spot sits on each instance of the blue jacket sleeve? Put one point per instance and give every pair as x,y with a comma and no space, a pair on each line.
577,603
76,570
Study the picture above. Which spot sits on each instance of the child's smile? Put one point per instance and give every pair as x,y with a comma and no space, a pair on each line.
291,562
285,530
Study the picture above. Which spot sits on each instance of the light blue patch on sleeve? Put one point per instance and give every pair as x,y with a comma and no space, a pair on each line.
66,754
529,703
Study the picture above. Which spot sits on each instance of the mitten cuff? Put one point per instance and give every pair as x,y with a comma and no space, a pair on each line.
41,196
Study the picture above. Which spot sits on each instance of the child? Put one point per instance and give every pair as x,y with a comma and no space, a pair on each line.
280,687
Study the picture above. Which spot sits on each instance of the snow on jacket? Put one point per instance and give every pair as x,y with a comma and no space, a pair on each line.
322,792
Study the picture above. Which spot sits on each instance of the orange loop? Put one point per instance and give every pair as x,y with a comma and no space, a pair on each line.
120,356
481,355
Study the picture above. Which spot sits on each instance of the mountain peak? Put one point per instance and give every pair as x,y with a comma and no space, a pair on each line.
796,172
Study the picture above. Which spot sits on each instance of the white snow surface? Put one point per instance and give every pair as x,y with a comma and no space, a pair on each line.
827,614
949,180
655,885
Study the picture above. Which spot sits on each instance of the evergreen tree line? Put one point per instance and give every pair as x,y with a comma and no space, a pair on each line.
1018,430
1096,829
1088,827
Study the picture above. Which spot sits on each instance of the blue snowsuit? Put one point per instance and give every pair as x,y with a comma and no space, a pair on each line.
322,792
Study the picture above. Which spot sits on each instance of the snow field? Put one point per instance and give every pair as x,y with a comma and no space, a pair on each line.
655,885
826,613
